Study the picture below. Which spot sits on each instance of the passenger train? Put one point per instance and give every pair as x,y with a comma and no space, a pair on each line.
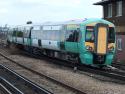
89,41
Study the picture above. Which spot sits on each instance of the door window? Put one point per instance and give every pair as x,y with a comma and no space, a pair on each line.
90,36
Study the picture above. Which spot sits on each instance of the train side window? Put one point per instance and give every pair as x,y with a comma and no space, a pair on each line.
27,32
89,36
14,32
11,32
111,35
72,35
36,28
55,35
19,33
50,35
58,34
119,44
24,33
46,35
69,36
76,34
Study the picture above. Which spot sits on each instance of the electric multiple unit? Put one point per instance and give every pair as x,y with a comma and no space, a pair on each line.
90,41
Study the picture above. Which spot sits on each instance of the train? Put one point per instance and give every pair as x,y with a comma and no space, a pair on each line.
89,41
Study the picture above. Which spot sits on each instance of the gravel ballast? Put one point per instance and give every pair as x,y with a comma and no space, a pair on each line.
81,81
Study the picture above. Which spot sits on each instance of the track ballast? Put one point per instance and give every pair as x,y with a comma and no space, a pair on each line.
78,91
16,84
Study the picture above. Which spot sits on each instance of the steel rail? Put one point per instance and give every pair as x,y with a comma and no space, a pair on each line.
108,73
11,89
119,65
114,74
4,90
78,91
32,86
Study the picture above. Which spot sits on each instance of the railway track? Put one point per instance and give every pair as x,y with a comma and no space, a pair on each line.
119,65
111,73
16,84
7,87
81,68
76,90
115,73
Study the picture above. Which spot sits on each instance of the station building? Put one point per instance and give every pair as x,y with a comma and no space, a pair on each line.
114,11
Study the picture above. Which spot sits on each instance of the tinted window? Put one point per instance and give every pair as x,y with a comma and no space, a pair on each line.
19,33
89,37
72,35
56,35
111,35
76,34
27,32
10,32
36,28
14,32
51,35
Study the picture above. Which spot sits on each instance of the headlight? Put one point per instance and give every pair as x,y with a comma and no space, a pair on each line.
111,48
89,48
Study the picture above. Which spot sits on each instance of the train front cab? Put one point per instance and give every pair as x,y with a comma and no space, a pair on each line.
99,47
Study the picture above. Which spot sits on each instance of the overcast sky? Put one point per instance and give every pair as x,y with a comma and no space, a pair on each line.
14,12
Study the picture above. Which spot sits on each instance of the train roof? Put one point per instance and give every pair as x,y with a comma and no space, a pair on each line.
77,21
